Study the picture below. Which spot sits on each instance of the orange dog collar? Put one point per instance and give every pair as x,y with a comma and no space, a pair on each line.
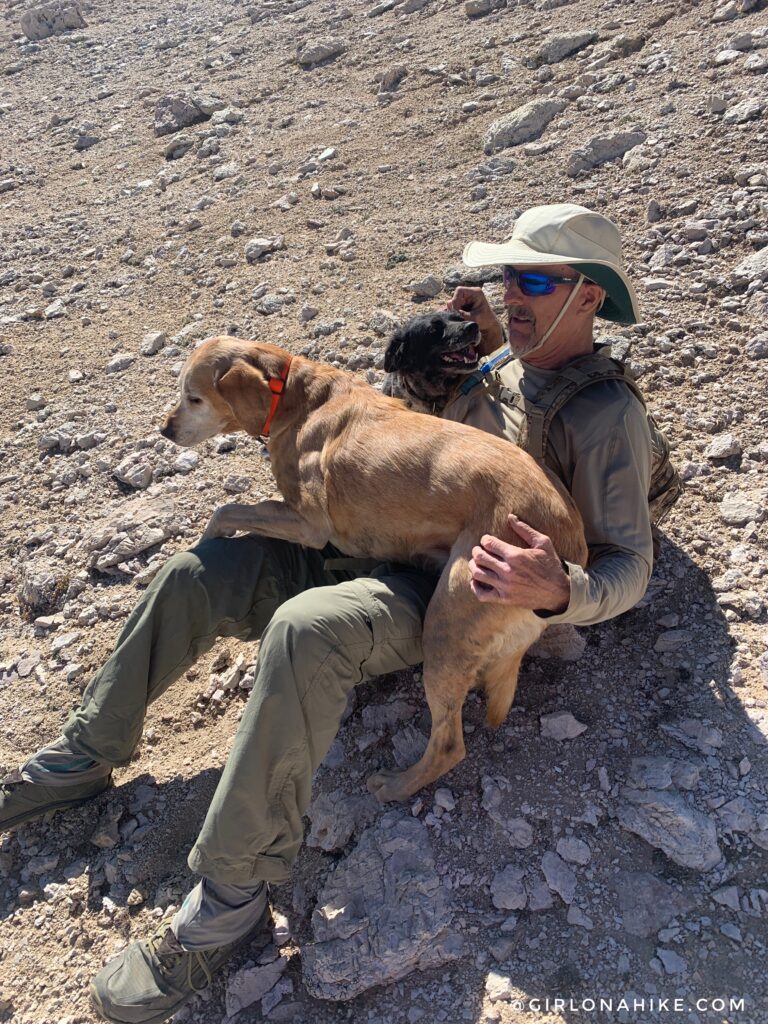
276,386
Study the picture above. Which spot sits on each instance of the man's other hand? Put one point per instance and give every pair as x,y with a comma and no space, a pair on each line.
531,577
472,304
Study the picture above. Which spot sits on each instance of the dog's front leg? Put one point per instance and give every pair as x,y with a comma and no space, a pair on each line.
269,519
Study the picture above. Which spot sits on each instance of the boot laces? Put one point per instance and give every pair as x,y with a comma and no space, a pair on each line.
168,959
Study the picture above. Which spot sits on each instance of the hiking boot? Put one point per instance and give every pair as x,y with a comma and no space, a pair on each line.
150,980
22,801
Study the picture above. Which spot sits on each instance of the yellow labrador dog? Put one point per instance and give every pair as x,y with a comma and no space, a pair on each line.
361,471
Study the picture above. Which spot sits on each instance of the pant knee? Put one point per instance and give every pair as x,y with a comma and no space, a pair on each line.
316,635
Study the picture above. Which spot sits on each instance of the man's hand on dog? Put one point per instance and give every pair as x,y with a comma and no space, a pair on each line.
473,304
531,577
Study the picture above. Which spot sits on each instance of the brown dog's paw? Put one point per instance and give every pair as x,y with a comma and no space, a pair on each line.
388,786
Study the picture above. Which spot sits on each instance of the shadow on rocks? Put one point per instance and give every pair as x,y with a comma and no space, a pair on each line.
125,848
607,842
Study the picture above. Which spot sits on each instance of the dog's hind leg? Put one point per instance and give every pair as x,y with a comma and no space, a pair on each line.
446,691
455,632
500,673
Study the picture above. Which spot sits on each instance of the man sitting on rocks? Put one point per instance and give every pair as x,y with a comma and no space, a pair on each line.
322,632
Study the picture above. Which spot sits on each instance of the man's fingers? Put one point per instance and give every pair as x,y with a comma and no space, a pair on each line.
495,546
531,536
483,592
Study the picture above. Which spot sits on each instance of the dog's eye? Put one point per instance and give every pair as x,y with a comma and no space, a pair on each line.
195,401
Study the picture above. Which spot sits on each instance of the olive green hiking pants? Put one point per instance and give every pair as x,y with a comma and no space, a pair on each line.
319,637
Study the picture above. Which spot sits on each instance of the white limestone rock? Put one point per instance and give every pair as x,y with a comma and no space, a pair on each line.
522,125
601,149
52,19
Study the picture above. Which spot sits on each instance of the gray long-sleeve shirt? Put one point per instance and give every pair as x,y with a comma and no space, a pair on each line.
600,447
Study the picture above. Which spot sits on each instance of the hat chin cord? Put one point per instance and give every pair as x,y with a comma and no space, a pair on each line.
548,333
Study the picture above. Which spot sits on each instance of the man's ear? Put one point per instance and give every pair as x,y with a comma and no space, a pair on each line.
245,390
592,297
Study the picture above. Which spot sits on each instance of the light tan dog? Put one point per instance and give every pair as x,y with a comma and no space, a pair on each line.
363,472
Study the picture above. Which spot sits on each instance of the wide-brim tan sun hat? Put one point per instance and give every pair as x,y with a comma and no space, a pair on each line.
567,233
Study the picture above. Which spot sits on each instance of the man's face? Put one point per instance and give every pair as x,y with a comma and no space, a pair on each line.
530,316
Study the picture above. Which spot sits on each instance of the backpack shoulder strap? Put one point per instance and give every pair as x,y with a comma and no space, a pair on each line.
575,377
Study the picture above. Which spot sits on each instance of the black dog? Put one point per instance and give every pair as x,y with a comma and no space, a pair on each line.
429,358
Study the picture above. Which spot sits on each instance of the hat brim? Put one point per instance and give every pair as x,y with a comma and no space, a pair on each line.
620,306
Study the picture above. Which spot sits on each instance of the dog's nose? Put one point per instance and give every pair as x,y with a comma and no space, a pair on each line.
167,430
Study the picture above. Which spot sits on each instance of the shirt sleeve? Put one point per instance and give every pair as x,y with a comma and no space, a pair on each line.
611,477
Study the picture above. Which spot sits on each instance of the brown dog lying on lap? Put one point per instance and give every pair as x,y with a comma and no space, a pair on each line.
346,457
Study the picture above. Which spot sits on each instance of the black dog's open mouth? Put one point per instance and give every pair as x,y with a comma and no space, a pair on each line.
462,360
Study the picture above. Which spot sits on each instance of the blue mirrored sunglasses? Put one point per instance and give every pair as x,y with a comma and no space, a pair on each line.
531,283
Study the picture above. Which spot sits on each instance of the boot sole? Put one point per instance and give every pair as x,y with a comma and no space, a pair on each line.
265,923
34,814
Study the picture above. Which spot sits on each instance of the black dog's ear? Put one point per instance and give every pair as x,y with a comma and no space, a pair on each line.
395,354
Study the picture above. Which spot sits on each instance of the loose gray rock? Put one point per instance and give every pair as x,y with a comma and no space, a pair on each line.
672,962
52,19
381,914
560,878
426,288
257,248
43,586
122,361
574,850
559,47
601,149
539,895
135,471
732,9
561,725
176,111
668,822
178,147
498,986
335,816
753,268
757,347
508,888
662,773
496,793
646,903
153,343
408,745
748,110
695,735
724,446
522,125
741,507
252,983
133,528
317,51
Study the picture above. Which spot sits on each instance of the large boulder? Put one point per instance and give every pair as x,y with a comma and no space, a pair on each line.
52,19
382,913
